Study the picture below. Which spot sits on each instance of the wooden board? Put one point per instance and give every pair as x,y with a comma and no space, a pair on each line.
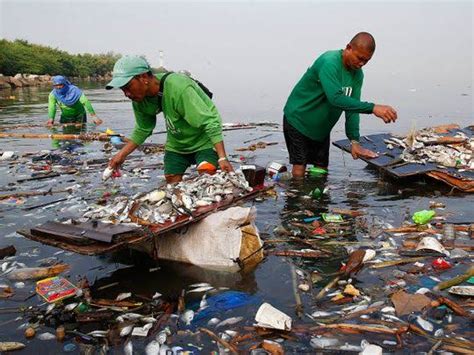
124,240
389,162
94,248
82,233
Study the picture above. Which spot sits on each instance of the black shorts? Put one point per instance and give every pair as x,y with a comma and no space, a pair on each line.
304,150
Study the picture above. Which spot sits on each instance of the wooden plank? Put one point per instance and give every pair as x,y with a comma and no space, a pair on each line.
7,251
95,248
58,235
82,233
463,180
124,240
466,185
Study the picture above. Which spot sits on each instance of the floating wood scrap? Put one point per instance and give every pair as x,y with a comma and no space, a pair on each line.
82,233
258,145
257,138
39,125
114,303
397,262
83,136
456,308
33,193
298,253
95,316
7,251
455,280
225,344
346,212
350,328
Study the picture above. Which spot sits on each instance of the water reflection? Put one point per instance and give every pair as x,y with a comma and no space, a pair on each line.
168,278
68,144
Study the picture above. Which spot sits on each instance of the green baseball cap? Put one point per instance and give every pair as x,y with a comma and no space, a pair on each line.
125,69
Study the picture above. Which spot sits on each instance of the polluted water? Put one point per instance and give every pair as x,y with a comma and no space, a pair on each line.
350,264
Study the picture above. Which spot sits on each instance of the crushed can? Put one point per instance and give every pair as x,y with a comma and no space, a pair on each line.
275,168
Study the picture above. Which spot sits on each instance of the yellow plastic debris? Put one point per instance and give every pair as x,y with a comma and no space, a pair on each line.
351,291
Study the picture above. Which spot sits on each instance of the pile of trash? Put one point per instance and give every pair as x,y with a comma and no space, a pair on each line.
426,146
162,205
397,285
80,318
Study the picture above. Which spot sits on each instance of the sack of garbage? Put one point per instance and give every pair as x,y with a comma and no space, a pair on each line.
225,240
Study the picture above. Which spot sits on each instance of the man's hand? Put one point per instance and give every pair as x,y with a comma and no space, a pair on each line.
385,112
97,121
225,165
49,123
358,152
117,160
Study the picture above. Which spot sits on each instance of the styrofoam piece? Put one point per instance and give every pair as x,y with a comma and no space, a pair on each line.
432,243
269,317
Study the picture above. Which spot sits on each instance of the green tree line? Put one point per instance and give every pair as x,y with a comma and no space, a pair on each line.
20,56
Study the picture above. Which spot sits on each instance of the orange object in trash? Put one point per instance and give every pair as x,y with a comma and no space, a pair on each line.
318,231
206,167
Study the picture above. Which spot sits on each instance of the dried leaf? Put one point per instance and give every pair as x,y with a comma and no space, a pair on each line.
406,303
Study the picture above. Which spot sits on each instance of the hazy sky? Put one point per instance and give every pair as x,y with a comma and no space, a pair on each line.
252,53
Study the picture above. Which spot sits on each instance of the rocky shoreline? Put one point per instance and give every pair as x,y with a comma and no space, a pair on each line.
25,80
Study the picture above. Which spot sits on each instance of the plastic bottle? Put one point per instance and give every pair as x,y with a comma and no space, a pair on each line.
315,171
116,140
60,333
449,232
316,193
284,176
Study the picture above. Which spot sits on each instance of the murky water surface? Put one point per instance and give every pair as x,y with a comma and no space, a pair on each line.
350,185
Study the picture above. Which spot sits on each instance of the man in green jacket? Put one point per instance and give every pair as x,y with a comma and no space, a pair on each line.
331,85
193,124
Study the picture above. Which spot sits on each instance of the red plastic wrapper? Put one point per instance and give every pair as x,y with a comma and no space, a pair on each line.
343,267
116,174
441,264
318,231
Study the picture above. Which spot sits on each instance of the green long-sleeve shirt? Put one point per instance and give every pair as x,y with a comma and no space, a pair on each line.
75,110
192,120
325,90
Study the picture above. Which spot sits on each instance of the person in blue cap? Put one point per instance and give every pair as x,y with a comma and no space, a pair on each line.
71,101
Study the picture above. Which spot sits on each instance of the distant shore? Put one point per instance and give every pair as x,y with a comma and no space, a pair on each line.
25,80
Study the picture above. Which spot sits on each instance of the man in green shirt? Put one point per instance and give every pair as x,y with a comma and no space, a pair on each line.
193,124
331,85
